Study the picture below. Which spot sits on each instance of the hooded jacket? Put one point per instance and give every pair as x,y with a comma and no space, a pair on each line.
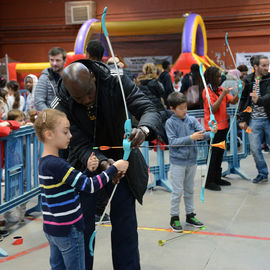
45,90
154,90
30,102
246,100
108,128
179,132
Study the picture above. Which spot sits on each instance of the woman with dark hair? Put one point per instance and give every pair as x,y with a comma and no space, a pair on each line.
219,97
15,100
191,79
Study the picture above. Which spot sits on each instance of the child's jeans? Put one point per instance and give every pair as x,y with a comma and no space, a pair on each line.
67,253
182,179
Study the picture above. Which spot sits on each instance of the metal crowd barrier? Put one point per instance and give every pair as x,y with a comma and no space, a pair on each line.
20,152
233,156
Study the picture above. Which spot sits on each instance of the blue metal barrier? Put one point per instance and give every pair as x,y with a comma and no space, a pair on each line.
21,153
233,156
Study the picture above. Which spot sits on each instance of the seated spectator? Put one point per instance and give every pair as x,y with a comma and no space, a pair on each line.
15,100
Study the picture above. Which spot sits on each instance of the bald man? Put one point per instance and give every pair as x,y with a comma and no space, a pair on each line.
92,99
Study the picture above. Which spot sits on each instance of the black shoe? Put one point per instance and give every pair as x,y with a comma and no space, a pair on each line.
224,182
193,221
175,224
213,186
106,219
260,179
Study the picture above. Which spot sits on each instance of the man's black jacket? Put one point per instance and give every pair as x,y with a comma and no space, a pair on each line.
108,128
264,99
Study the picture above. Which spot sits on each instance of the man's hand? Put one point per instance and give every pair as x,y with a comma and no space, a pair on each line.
243,125
254,97
136,137
92,162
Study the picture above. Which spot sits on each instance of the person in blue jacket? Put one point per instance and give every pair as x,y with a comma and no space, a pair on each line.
183,131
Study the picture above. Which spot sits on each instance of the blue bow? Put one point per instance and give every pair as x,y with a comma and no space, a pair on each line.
212,124
240,88
240,91
127,127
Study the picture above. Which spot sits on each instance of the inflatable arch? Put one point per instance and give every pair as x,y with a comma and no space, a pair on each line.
194,42
194,45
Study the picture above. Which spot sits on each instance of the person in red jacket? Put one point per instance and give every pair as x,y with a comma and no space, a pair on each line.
5,129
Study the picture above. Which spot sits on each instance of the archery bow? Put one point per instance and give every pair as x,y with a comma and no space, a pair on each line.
240,89
127,127
212,124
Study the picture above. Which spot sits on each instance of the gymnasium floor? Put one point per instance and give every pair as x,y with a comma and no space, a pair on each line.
237,235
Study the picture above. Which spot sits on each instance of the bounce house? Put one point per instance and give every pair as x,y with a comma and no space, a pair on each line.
194,42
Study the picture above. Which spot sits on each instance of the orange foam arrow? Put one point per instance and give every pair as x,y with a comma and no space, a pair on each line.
248,130
103,147
248,109
220,145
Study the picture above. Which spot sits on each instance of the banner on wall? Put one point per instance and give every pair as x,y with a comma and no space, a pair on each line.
135,64
244,58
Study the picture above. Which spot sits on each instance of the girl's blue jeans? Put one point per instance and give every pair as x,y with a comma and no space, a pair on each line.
67,253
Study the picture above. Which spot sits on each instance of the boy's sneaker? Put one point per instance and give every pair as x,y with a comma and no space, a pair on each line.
106,219
175,224
193,221
260,179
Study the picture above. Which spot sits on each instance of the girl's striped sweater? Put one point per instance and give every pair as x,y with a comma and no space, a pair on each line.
59,183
